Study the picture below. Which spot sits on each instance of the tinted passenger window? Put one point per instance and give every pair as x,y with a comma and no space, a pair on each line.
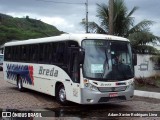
33,53
7,53
60,52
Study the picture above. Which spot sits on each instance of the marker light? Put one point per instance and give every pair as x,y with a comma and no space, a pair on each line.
85,81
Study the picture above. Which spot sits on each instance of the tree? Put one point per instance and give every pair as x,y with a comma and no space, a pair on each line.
123,25
111,11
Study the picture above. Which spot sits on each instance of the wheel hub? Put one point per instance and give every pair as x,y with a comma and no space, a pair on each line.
62,95
19,84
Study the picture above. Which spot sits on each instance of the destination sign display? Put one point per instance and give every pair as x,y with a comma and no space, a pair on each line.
94,43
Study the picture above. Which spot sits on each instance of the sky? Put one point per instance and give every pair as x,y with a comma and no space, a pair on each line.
67,17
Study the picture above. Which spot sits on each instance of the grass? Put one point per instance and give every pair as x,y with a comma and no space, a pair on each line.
158,82
148,84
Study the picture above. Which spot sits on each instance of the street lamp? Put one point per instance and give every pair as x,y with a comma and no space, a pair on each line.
86,4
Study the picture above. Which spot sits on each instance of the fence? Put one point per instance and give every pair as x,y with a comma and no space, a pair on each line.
146,67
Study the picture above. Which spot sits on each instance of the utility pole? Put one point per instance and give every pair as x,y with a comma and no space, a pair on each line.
86,4
111,12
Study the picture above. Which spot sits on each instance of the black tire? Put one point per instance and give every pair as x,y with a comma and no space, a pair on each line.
20,84
61,95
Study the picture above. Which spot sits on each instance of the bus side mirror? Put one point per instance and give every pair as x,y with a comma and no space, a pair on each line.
134,59
81,56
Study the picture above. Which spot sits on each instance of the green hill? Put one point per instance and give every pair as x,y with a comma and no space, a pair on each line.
24,28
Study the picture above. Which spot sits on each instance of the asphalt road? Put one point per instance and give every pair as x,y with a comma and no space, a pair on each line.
11,98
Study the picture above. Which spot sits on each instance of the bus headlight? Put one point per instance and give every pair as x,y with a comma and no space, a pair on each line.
86,84
131,84
91,87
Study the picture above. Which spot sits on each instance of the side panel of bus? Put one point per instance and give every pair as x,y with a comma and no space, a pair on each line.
42,78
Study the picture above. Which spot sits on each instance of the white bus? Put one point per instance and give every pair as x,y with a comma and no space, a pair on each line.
82,68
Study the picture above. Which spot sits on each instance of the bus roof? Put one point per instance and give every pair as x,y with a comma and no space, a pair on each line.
63,37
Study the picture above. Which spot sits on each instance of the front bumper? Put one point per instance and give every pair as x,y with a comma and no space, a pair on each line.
97,97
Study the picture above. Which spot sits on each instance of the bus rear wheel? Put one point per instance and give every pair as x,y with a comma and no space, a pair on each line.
61,95
19,84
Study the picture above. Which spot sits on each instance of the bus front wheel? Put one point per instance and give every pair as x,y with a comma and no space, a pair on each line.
19,84
61,95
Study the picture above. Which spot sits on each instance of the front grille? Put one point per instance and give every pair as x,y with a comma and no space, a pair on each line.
111,99
112,89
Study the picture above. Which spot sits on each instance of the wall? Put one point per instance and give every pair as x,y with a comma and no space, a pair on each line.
145,67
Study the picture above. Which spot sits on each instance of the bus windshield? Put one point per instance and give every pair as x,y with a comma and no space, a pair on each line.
107,60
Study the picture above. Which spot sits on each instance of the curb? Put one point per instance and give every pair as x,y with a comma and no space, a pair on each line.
147,94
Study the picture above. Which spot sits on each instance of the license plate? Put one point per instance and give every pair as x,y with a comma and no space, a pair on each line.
113,94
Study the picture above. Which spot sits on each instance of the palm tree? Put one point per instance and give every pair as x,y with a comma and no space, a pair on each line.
123,25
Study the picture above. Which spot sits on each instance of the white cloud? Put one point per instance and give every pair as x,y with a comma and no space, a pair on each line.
61,23
56,21
155,29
